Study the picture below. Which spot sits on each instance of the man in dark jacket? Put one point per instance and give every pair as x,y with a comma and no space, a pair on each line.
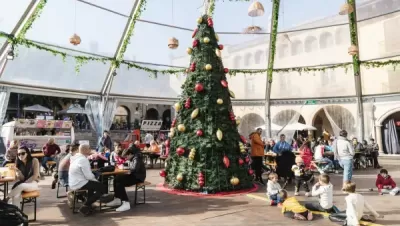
106,141
137,175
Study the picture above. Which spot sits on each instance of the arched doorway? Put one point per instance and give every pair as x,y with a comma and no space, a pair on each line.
391,134
122,118
166,117
289,116
333,119
151,114
249,122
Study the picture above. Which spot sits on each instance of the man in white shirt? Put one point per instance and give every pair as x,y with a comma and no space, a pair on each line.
80,176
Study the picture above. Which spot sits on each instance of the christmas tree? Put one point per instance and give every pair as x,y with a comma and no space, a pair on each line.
206,151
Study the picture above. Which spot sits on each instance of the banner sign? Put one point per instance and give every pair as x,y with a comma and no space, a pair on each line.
41,123
151,125
38,143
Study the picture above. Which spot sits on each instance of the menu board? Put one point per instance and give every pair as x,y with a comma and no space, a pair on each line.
41,123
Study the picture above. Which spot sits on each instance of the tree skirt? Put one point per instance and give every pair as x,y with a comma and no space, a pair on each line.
162,188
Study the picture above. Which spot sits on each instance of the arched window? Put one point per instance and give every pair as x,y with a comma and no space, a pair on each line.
121,118
297,48
247,59
311,44
283,50
325,40
236,61
342,36
258,56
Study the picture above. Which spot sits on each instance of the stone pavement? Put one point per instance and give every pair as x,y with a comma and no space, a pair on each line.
171,210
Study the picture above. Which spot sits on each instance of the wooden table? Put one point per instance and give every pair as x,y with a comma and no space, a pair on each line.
38,155
7,175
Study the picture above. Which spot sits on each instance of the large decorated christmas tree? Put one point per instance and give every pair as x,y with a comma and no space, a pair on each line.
206,151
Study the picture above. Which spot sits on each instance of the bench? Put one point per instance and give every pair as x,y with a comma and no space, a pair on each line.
30,197
75,198
141,187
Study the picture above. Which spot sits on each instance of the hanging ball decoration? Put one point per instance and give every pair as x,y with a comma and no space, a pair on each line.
194,114
232,116
195,32
237,121
163,173
346,9
192,67
199,133
177,106
189,51
224,83
353,50
180,151
75,40
195,43
188,103
241,162
173,123
226,161
200,179
234,181
247,159
179,177
171,132
192,154
219,134
181,128
206,40
242,148
208,67
199,87
218,53
173,43
226,70
251,172
210,22
220,101
216,37
256,9
232,94
199,20
221,47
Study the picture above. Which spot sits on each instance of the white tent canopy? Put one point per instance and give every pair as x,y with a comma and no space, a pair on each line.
298,126
73,109
274,127
37,108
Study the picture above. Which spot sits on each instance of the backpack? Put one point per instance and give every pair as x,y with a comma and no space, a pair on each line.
11,215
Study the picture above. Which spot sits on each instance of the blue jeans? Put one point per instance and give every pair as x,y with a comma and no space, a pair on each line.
326,166
276,198
347,165
63,178
45,160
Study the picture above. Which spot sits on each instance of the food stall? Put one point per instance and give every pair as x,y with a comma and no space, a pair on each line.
34,133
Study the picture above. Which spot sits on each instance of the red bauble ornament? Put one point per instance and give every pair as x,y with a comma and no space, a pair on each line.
224,83
210,22
251,172
180,151
187,103
199,87
195,32
201,183
173,122
201,174
220,47
243,139
167,143
192,67
247,159
226,161
241,162
199,132
226,70
163,173
232,116
195,43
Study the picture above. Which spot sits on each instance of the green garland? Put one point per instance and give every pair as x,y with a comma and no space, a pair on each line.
35,14
211,8
274,30
354,38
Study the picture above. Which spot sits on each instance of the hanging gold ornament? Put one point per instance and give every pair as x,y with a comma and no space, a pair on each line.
75,40
179,177
189,51
219,134
256,9
218,53
172,132
346,9
220,101
194,114
217,37
353,50
192,154
181,128
208,67
177,107
199,20
232,94
206,40
173,43
235,181
237,121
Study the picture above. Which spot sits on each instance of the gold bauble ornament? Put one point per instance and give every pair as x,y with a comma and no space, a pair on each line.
181,128
234,181
219,134
206,40
173,43
192,154
216,37
208,67
237,121
218,53
75,40
179,177
199,20
194,114
220,101
172,132
177,106
189,51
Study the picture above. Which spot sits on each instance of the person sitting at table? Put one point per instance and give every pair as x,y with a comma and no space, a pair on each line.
155,152
80,177
27,175
137,175
63,166
50,150
11,153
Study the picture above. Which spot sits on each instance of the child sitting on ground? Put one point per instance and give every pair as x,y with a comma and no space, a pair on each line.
273,188
301,177
355,204
324,189
291,208
386,184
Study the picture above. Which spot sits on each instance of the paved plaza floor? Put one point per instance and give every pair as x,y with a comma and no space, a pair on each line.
164,209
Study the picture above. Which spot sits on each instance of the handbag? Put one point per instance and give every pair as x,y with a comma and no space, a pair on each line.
11,215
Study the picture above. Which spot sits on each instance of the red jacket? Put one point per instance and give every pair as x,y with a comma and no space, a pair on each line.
51,149
381,181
